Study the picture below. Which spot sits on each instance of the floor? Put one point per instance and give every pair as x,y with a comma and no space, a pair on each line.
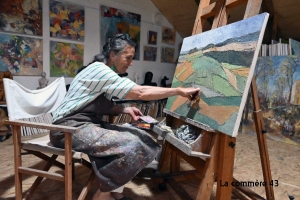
284,159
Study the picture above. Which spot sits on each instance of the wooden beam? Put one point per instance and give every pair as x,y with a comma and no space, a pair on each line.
209,10
234,3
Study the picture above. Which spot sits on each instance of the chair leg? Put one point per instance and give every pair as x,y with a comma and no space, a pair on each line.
87,187
68,166
16,130
38,180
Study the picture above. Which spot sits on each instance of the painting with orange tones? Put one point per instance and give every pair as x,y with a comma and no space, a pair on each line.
23,17
66,20
65,59
221,63
115,21
168,35
22,56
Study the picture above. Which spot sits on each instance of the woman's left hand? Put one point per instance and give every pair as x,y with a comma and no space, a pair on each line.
133,112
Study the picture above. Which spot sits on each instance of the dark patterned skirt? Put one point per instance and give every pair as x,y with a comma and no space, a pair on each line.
117,153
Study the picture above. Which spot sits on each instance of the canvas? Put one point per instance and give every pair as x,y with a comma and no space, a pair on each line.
167,55
294,47
65,59
21,55
152,37
278,86
66,20
23,17
150,53
221,63
114,21
168,35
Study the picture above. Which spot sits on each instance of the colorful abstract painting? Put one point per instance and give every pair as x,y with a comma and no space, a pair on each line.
168,35
221,63
19,16
167,55
278,86
66,20
150,53
65,58
294,47
114,21
152,37
21,55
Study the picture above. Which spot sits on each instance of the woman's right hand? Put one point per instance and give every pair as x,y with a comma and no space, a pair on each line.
191,93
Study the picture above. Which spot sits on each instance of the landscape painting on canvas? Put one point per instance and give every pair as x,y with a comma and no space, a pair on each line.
278,86
221,63
23,17
21,55
115,21
65,58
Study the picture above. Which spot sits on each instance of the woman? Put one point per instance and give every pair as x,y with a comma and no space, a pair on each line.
117,153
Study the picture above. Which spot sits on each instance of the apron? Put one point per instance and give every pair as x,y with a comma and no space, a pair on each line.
117,153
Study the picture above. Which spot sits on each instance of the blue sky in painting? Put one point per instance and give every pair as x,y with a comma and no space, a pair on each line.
237,29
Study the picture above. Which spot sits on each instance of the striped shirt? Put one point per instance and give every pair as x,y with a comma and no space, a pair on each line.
94,80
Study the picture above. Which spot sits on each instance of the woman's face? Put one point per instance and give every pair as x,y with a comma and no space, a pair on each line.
123,60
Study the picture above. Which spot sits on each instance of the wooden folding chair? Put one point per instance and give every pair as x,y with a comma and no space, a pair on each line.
24,103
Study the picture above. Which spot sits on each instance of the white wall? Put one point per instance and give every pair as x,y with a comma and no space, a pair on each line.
145,8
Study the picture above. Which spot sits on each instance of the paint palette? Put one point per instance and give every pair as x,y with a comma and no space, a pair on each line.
149,119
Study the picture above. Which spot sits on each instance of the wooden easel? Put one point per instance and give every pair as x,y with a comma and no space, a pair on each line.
219,162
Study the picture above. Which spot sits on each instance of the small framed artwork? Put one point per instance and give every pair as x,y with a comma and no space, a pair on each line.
65,58
168,35
167,55
150,53
152,37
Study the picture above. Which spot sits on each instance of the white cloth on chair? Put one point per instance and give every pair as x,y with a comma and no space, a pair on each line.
25,103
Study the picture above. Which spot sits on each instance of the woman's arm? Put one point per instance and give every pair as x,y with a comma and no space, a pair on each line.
147,93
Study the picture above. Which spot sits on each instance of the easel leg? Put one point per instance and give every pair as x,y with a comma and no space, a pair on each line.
225,168
210,170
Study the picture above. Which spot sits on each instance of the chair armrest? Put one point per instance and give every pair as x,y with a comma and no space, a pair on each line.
42,126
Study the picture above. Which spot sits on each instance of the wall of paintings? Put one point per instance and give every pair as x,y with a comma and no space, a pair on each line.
59,36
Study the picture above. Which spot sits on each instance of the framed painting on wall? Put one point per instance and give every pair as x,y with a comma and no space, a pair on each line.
66,20
167,55
152,37
168,35
21,55
221,63
150,53
115,21
23,17
65,58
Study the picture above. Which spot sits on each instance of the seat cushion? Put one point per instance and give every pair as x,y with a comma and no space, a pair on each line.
42,144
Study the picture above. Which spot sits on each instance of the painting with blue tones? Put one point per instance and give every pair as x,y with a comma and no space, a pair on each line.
221,63
115,21
21,55
278,86
294,47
